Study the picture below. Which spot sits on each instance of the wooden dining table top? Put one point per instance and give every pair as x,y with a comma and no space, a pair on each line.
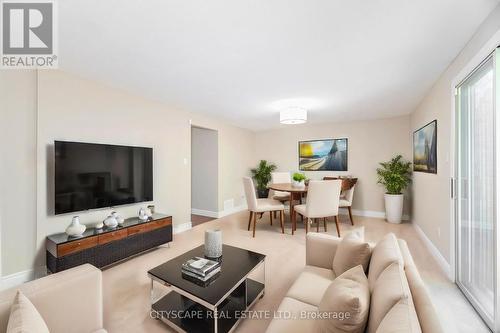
287,187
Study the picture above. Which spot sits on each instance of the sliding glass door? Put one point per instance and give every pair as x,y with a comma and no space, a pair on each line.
476,190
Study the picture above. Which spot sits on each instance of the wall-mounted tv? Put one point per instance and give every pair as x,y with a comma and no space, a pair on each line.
89,176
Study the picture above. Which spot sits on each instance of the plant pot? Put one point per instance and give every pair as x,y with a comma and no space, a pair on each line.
262,194
393,207
298,184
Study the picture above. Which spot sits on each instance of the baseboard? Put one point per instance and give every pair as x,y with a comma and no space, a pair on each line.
442,263
16,279
369,213
219,214
178,228
203,212
232,210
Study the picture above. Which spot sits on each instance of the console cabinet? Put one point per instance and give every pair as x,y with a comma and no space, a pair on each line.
103,247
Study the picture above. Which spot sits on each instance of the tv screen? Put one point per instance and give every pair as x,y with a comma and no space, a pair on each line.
89,176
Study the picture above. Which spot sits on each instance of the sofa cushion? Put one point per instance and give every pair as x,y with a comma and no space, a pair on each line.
384,253
24,317
390,287
296,309
311,284
345,303
351,252
427,317
54,297
400,318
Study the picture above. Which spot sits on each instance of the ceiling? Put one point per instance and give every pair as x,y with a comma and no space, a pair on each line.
243,60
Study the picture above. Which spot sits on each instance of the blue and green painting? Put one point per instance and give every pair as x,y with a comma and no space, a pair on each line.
323,155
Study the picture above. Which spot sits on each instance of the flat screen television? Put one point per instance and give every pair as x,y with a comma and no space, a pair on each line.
89,176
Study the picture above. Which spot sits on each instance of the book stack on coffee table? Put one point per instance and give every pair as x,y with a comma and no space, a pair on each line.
200,269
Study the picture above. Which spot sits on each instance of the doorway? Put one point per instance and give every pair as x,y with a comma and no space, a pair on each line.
476,179
204,175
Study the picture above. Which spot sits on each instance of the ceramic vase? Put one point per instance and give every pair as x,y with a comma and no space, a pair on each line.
213,243
110,222
298,184
142,214
118,218
75,228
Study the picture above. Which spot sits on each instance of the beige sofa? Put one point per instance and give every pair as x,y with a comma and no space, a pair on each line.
305,294
69,301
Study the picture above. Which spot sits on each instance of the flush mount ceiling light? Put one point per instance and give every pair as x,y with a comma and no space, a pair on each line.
293,115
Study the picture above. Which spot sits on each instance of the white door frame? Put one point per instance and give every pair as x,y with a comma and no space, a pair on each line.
217,213
487,49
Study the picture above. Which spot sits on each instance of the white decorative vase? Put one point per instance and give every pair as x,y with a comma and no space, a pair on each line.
213,243
298,184
118,218
110,222
393,207
75,228
142,214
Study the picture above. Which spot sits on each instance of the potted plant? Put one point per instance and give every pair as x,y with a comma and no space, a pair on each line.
262,176
298,179
395,176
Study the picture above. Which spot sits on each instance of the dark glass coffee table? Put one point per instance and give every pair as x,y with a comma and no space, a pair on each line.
217,306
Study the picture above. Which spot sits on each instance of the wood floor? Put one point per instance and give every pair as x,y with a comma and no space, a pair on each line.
198,219
127,287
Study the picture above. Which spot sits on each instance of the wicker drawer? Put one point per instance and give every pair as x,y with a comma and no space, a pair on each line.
112,236
138,229
159,224
76,246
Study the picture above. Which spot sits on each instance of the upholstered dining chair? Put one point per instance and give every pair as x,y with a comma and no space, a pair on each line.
256,206
280,178
323,198
346,199
346,193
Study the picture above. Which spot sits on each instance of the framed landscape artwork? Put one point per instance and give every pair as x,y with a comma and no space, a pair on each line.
323,155
425,148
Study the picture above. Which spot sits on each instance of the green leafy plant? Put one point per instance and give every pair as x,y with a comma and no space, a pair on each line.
298,177
262,176
394,175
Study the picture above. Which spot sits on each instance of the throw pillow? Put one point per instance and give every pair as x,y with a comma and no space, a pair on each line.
24,317
345,304
351,252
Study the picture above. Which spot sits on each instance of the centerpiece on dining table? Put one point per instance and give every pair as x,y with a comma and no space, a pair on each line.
298,179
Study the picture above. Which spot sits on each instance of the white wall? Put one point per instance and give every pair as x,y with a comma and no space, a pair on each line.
62,106
17,170
71,108
369,142
431,192
204,170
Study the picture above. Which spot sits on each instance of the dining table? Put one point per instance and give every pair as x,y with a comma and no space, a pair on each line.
296,193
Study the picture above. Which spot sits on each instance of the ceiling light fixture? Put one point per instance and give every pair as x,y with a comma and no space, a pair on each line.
293,115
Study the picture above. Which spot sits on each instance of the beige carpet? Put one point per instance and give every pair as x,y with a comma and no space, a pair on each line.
127,287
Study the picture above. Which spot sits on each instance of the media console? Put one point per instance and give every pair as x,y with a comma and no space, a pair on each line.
103,247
